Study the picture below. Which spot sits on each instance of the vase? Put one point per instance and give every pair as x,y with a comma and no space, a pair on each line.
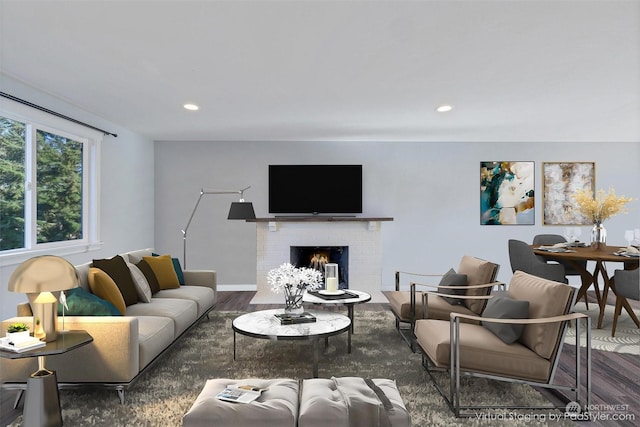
598,236
293,300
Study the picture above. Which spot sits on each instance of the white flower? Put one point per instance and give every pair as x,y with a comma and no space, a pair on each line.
288,276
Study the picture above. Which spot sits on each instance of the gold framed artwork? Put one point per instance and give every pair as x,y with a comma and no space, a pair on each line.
560,180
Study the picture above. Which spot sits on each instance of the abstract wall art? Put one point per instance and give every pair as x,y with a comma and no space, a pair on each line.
560,182
507,193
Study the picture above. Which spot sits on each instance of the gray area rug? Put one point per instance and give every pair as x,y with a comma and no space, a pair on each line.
627,339
166,391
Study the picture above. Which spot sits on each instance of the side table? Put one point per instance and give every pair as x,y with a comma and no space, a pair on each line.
42,402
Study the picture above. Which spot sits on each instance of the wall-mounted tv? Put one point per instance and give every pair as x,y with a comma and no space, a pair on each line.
315,189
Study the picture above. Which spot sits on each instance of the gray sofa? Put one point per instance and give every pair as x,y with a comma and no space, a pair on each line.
123,346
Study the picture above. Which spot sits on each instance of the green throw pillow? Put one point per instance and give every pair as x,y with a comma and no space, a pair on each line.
84,303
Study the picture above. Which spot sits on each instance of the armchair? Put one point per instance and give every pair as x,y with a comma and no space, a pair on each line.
407,305
467,349
522,258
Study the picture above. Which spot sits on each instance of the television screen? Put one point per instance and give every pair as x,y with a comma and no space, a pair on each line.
315,189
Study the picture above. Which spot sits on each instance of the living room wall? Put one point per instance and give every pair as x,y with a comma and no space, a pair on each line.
126,196
431,189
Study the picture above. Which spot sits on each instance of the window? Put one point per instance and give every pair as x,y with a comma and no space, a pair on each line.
48,183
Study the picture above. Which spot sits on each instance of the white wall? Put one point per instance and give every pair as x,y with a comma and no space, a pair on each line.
431,189
127,195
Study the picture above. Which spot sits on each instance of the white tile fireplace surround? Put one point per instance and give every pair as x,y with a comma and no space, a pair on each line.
275,236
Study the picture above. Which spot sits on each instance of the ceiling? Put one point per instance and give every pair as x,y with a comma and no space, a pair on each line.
337,70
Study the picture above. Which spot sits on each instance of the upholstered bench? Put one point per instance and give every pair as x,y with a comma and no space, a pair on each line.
351,401
276,407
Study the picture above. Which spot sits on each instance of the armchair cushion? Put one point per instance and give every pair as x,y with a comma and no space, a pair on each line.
501,307
451,278
547,298
479,272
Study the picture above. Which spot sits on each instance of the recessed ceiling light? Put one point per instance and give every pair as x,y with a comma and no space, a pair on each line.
191,107
444,108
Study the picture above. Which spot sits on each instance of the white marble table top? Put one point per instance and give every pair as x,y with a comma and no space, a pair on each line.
362,297
264,324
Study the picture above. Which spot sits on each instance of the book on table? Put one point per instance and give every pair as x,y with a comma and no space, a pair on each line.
240,393
18,346
292,319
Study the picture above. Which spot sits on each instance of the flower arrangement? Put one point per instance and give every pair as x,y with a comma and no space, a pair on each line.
288,278
600,206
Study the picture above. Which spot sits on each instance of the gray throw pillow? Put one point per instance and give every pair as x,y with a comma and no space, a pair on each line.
503,307
451,278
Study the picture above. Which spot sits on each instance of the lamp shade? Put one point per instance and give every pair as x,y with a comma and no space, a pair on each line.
46,273
241,210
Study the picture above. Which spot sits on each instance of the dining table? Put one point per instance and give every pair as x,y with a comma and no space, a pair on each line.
601,254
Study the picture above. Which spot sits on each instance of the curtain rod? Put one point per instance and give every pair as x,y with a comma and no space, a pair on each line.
62,116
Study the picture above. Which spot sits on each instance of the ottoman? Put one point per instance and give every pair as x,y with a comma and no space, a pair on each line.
351,401
276,407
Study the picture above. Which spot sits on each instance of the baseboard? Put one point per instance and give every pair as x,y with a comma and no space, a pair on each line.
238,287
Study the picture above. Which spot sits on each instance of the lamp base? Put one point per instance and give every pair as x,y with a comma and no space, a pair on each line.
41,401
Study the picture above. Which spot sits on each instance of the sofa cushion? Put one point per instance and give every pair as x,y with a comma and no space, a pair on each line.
142,284
164,271
546,299
451,278
103,286
154,335
83,303
182,312
145,268
503,307
177,267
117,269
204,297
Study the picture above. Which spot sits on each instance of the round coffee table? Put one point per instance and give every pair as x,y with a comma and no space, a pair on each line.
265,325
358,298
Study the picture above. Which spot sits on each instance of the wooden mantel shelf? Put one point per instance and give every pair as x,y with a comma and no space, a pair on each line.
320,218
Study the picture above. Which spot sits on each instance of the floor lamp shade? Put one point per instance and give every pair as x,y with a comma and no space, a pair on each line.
39,277
241,210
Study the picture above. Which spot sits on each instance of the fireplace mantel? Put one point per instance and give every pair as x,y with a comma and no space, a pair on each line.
362,235
320,218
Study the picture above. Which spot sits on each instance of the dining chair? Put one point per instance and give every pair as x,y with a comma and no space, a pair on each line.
627,285
522,258
575,268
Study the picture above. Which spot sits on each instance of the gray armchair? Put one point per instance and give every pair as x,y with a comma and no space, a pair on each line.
522,258
627,285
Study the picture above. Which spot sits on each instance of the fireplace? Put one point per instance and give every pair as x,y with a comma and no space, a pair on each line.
317,256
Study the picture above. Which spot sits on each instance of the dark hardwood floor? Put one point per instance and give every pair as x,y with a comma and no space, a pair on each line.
615,376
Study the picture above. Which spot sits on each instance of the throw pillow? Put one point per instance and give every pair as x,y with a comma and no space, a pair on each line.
141,282
145,268
103,286
80,302
451,278
503,307
162,267
177,267
117,269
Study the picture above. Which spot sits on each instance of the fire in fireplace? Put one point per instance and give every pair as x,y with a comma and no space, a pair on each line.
317,256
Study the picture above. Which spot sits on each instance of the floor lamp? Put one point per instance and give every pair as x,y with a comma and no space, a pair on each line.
238,210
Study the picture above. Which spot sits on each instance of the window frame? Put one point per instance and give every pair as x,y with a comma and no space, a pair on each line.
91,140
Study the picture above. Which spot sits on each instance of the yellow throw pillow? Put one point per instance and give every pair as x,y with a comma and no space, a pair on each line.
162,267
103,286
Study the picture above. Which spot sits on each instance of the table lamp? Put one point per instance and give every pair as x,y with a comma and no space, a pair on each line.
39,277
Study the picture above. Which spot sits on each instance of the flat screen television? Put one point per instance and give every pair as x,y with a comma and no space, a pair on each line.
315,189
